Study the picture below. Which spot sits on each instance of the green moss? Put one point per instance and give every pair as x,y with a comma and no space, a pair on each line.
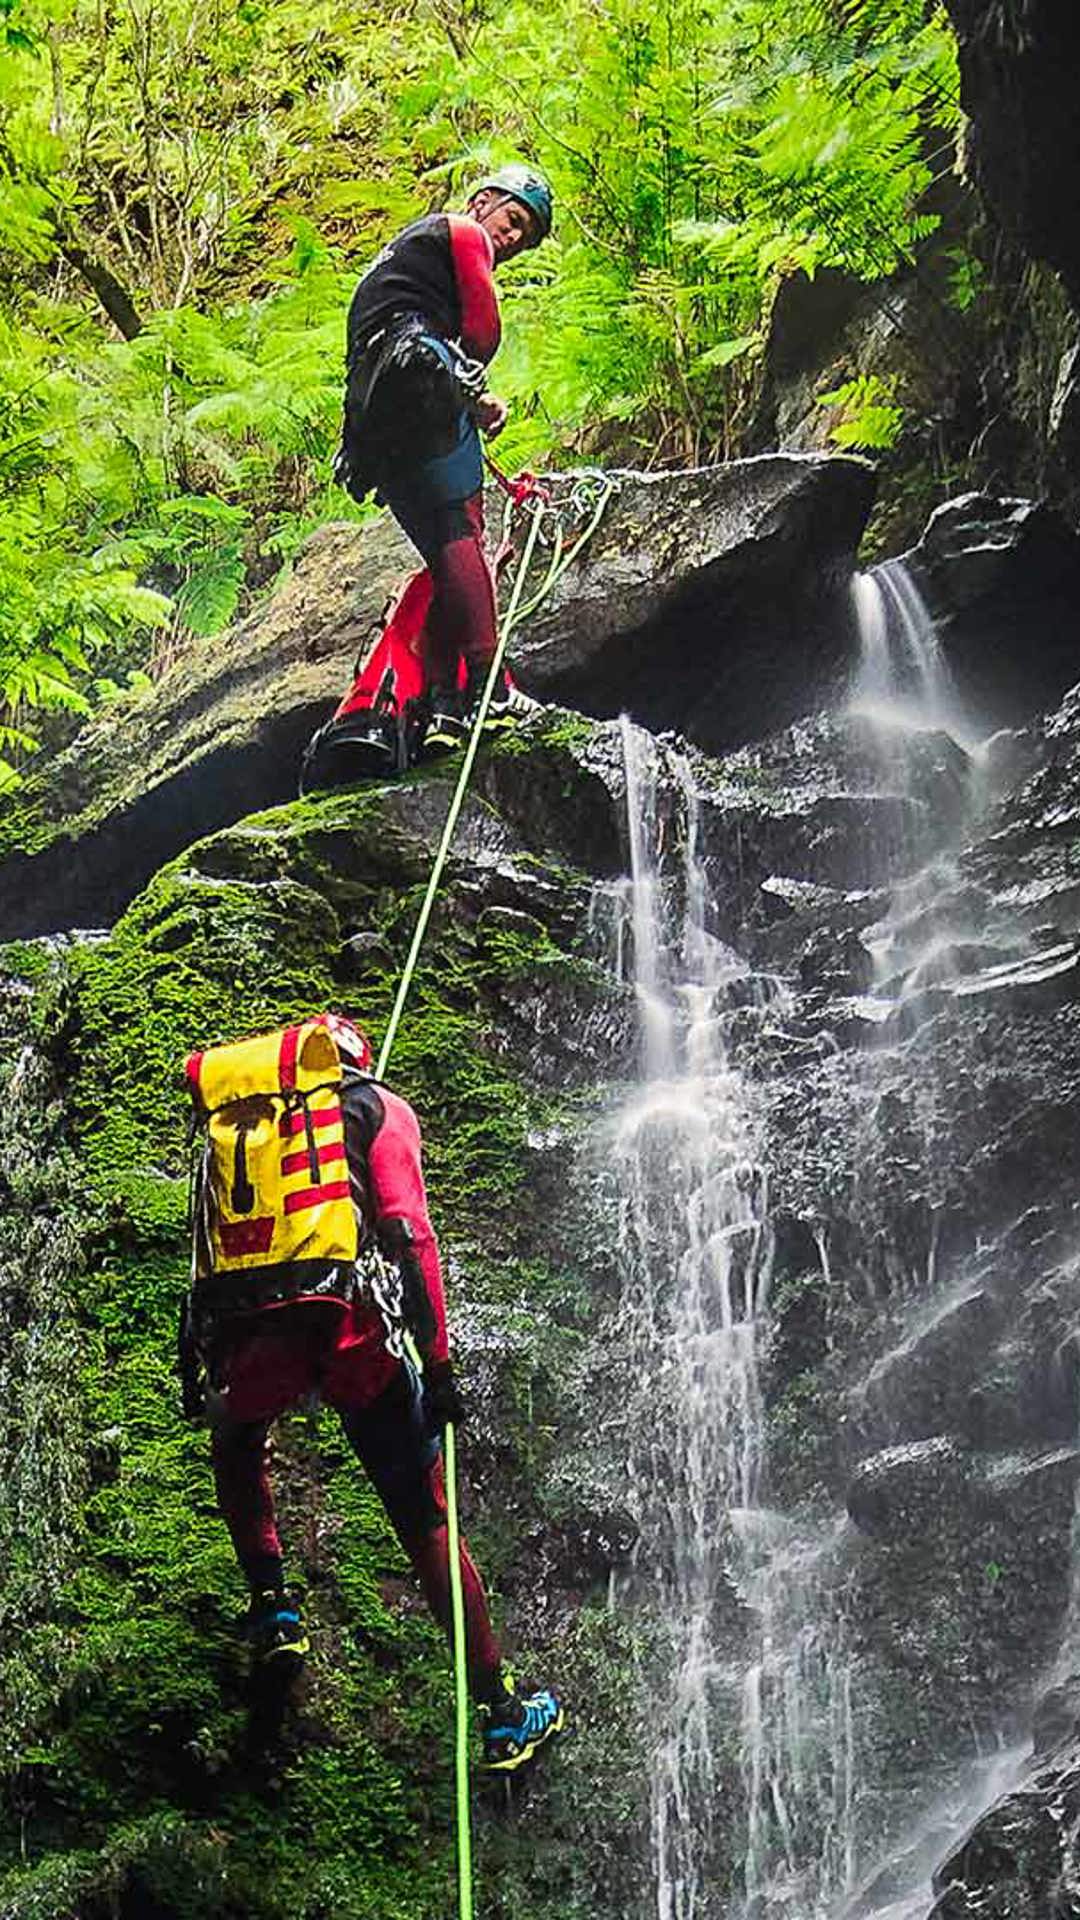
556,728
130,1772
27,960
191,962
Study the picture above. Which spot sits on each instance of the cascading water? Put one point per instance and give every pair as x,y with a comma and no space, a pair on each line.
903,678
934,936
693,1249
747,1648
761,1696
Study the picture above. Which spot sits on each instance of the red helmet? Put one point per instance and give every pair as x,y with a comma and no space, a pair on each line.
352,1042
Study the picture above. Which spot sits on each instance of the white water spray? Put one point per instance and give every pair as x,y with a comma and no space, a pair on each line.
753,1603
903,677
695,1251
694,1255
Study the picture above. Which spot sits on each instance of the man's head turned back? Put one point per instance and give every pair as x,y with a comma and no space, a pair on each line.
514,207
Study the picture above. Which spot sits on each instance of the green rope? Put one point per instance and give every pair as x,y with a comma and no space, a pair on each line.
461,1683
515,613
455,806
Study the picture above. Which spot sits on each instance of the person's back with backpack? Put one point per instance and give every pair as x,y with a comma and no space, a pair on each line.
314,1264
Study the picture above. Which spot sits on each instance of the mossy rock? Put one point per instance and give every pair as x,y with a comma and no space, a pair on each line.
129,1785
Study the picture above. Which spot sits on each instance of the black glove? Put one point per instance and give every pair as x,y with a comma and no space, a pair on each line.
443,1406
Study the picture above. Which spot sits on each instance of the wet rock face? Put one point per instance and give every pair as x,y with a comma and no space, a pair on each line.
1020,1861
711,601
1002,580
1018,62
919,1062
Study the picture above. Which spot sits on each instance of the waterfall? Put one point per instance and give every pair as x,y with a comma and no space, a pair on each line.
747,1646
935,942
768,1705
903,677
757,1697
693,1250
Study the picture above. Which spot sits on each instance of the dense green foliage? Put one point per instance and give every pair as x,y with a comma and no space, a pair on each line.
186,194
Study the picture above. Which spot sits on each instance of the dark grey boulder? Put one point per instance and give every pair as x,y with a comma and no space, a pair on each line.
1020,1860
713,601
924,1384
1002,580
939,1485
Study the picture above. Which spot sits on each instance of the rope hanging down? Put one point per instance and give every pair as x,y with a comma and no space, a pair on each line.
591,494
539,508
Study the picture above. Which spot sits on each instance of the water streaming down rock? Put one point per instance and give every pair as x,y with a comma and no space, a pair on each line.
694,1254
936,940
768,1700
754,1645
903,677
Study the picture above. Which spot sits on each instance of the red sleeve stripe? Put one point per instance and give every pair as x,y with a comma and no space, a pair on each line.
320,1117
474,257
306,1197
296,1162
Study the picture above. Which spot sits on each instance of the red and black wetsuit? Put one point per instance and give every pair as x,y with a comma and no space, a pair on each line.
439,271
269,1360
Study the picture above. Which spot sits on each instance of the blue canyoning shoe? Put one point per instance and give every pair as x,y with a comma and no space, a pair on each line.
514,1728
274,1627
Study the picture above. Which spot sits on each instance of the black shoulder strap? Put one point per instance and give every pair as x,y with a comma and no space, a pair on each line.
365,1113
363,1106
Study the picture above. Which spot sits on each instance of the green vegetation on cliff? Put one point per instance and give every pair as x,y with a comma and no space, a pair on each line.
127,1785
186,196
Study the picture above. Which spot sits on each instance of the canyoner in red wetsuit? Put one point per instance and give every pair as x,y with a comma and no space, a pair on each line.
423,326
314,1257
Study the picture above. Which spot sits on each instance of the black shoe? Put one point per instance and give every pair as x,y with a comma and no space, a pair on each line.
447,725
361,746
274,1627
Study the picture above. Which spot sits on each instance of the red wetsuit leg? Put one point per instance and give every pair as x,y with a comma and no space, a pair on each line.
401,1458
245,1498
461,621
429,1552
260,1374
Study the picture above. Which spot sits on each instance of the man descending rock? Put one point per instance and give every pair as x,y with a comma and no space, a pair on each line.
423,325
314,1258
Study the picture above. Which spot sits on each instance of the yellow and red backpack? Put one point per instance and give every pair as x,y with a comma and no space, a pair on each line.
279,1215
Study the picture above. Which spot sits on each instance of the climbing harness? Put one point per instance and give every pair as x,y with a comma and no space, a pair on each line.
588,499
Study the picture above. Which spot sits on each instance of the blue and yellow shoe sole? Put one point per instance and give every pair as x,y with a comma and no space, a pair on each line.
524,1753
297,1644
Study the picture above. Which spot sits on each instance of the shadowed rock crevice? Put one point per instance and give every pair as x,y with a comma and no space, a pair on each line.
1018,64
